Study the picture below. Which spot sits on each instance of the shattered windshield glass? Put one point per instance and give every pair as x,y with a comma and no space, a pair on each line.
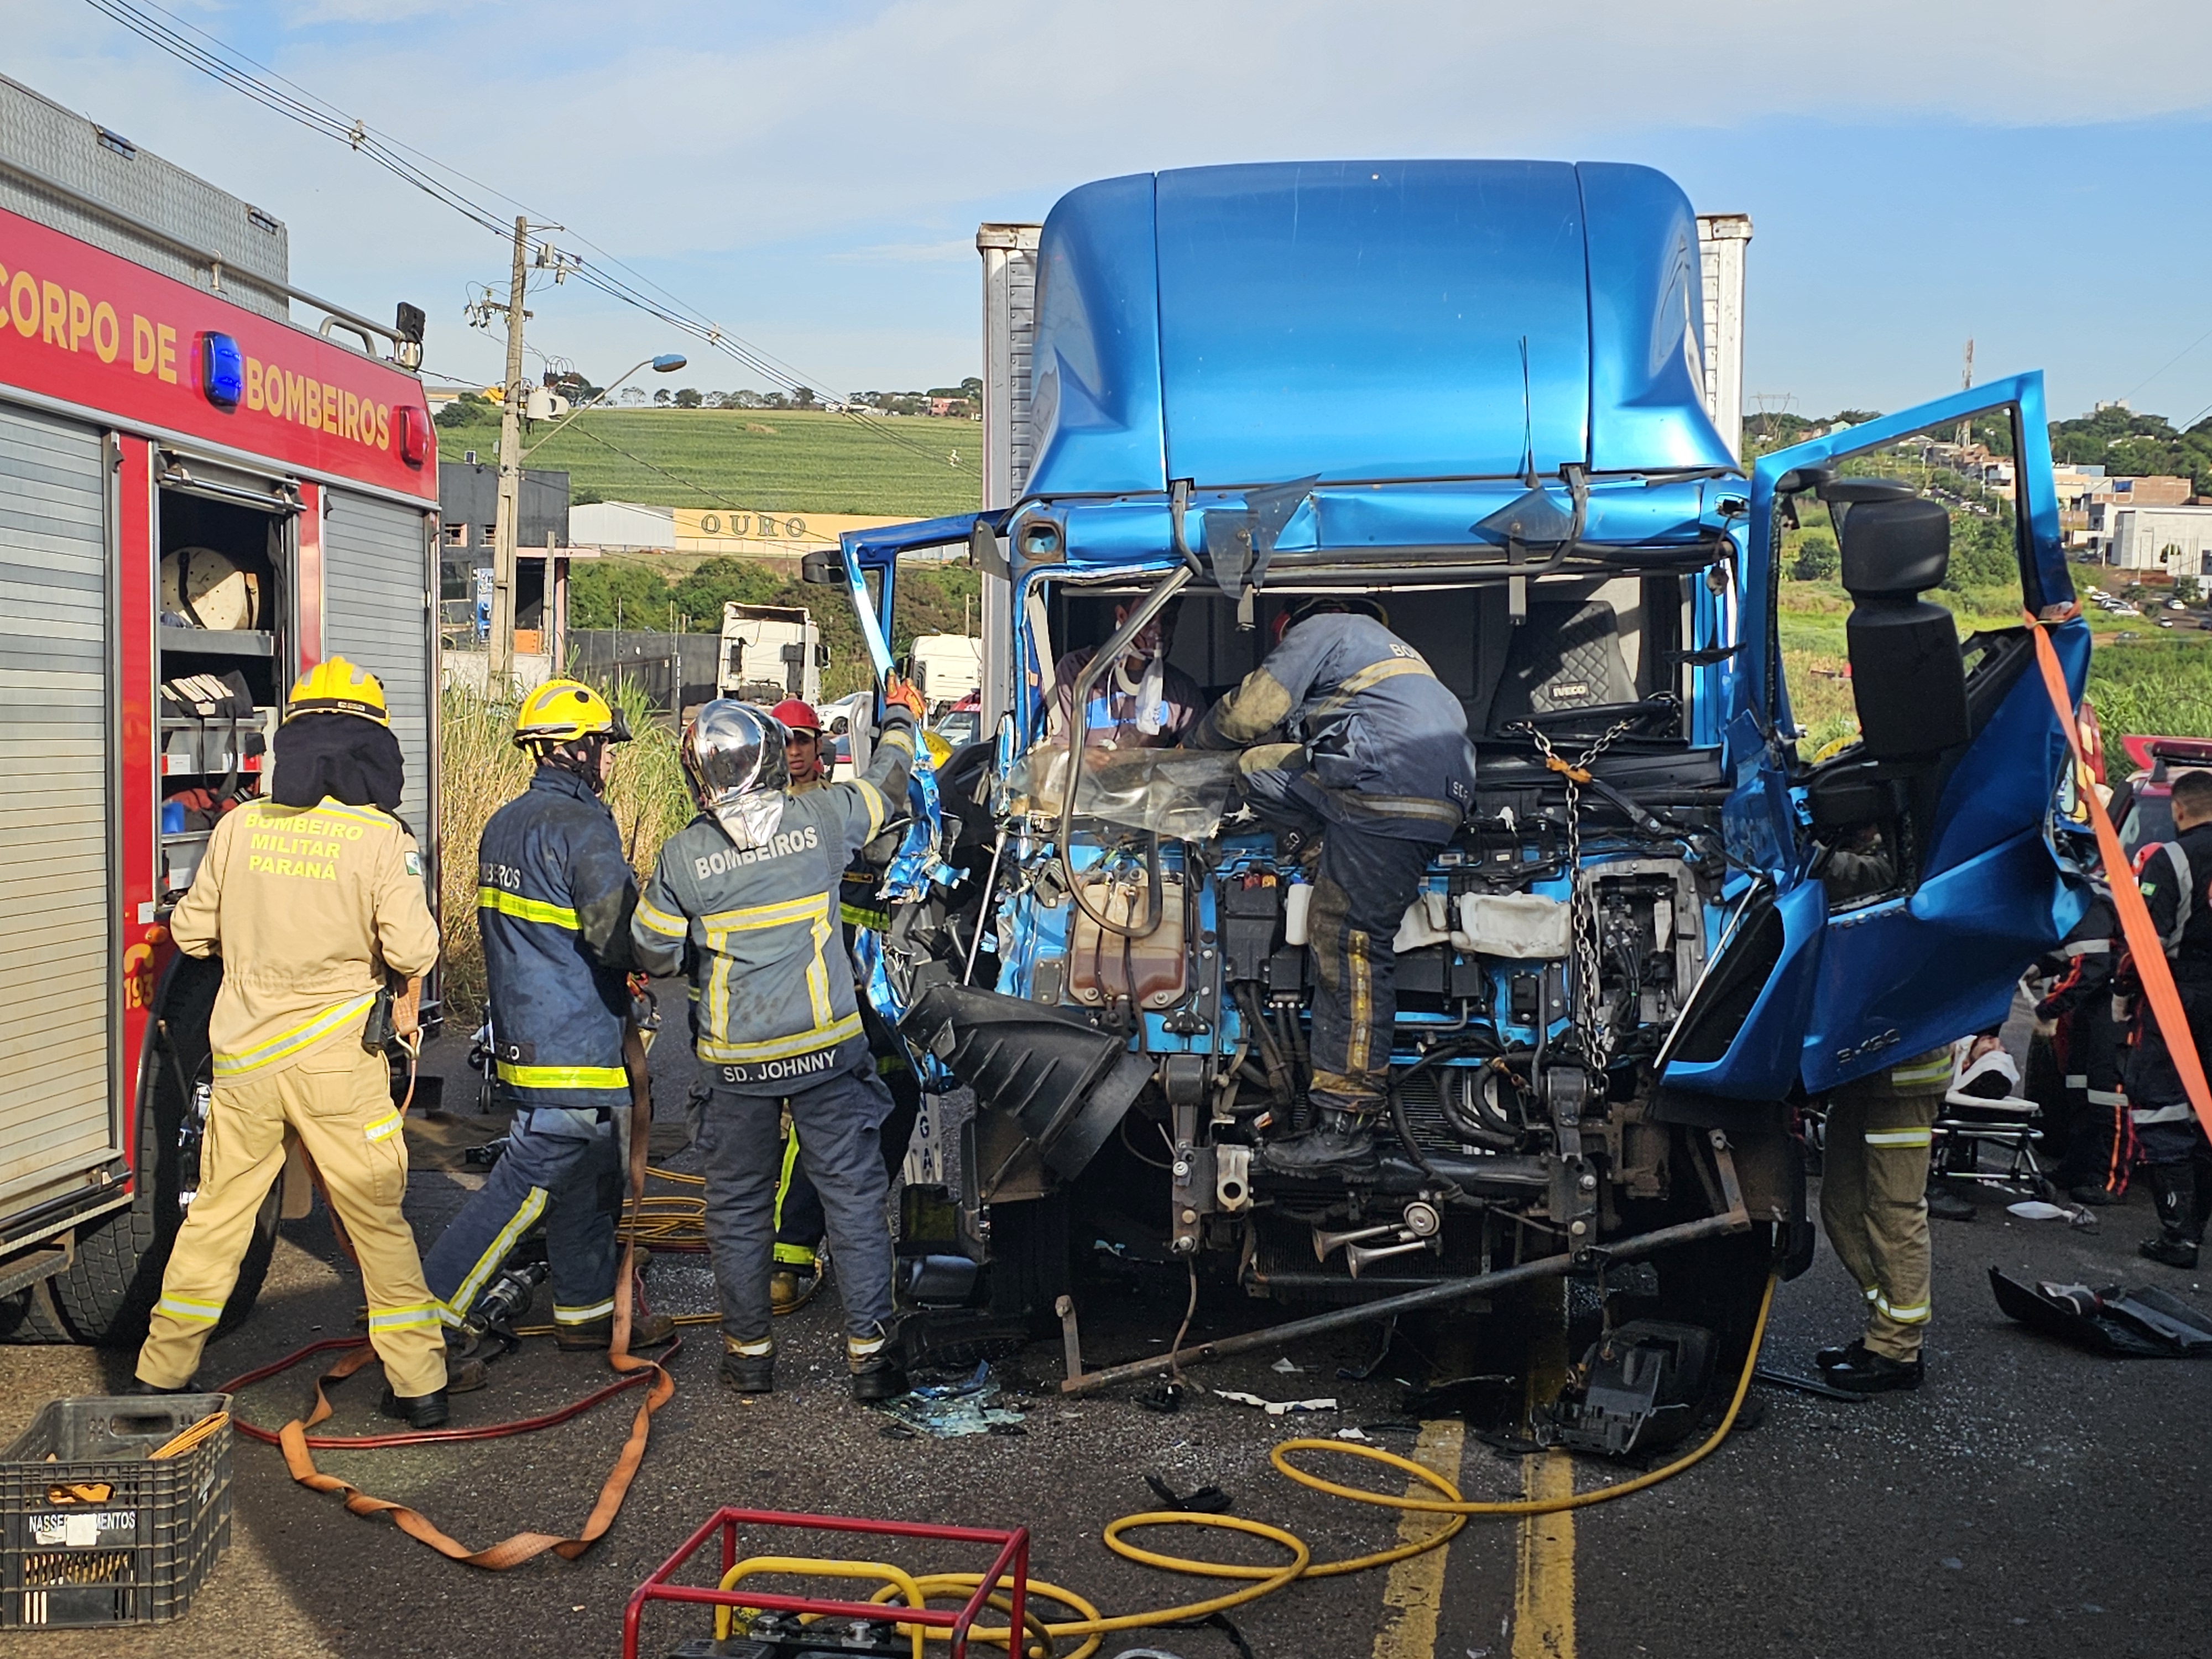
1178,794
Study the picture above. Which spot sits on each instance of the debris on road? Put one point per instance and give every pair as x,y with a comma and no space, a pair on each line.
1201,1500
2141,1324
952,1411
1275,1407
2034,1209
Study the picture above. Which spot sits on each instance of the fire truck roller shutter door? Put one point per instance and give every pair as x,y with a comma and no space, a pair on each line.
377,580
55,975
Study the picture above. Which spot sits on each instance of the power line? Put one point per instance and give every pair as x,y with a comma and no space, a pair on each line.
605,443
226,64
2168,363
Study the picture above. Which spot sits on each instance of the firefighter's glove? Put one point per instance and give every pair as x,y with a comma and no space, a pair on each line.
900,693
1271,757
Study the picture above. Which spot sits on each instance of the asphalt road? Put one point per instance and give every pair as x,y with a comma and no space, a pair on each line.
2031,1500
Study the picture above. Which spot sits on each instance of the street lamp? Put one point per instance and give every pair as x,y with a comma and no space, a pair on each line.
499,663
667,363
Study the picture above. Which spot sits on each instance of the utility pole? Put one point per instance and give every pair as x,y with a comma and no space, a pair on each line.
1966,384
509,523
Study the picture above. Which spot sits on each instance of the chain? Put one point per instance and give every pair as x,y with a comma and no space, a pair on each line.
1590,1018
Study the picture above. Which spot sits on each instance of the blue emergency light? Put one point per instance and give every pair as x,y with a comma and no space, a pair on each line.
223,370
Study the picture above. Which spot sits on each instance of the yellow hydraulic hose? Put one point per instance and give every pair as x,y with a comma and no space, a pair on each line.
1454,1504
1265,1581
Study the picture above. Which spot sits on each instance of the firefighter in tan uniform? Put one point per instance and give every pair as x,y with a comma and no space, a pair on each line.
1874,1207
313,899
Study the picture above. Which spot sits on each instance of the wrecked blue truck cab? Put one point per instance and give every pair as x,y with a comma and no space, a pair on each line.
1476,392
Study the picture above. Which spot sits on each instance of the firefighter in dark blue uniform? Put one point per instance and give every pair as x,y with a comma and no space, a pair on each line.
554,898
1374,760
2089,1047
2176,888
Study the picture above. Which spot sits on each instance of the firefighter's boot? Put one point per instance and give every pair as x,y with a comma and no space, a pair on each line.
430,1410
874,1363
749,1367
2180,1225
646,1330
1868,1372
791,1288
1342,1144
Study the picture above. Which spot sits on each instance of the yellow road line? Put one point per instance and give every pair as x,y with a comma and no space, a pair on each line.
1413,1596
1544,1584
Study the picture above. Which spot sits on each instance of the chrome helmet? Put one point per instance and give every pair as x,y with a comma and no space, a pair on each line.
734,753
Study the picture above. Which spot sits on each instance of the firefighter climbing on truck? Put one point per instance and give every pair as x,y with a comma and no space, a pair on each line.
1375,775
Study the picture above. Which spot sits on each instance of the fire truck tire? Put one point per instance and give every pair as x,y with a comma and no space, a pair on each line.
106,1294
30,1316
109,1292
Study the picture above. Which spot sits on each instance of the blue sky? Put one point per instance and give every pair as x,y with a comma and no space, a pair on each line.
2029,175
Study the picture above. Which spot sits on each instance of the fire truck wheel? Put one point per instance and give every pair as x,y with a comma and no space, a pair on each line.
108,1292
30,1316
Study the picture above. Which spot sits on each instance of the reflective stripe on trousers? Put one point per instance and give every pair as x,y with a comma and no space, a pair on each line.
1874,1205
563,1169
302,1037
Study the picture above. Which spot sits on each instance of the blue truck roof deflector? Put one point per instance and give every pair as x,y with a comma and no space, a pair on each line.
1367,322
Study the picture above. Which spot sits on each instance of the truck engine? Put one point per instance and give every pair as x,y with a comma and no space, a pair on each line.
1121,977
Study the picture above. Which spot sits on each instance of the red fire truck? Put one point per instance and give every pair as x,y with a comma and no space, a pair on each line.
198,502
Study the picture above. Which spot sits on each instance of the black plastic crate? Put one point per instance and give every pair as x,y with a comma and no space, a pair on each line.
133,1556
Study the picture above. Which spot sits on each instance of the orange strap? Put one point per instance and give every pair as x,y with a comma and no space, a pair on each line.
2144,946
523,1546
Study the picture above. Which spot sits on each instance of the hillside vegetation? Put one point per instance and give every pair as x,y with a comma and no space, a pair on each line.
2140,680
795,460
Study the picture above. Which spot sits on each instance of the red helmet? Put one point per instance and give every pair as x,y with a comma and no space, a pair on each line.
794,716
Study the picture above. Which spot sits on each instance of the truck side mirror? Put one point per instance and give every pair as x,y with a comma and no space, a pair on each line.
824,567
1908,675
821,656
1895,548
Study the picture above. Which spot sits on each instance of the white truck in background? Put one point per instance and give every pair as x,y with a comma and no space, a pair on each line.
769,652
946,667
1010,262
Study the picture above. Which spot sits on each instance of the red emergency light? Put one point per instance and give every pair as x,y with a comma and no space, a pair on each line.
414,435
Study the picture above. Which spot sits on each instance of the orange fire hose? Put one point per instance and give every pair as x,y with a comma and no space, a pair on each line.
522,1547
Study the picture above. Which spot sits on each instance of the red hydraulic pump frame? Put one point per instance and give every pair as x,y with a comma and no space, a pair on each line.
1010,1567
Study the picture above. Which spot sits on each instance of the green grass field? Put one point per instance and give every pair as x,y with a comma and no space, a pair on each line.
2142,679
888,464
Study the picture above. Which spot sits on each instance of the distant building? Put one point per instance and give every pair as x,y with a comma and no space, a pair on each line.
468,514
761,534
2087,499
2175,540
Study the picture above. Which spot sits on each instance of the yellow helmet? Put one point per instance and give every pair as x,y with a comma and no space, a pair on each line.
336,687
561,711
